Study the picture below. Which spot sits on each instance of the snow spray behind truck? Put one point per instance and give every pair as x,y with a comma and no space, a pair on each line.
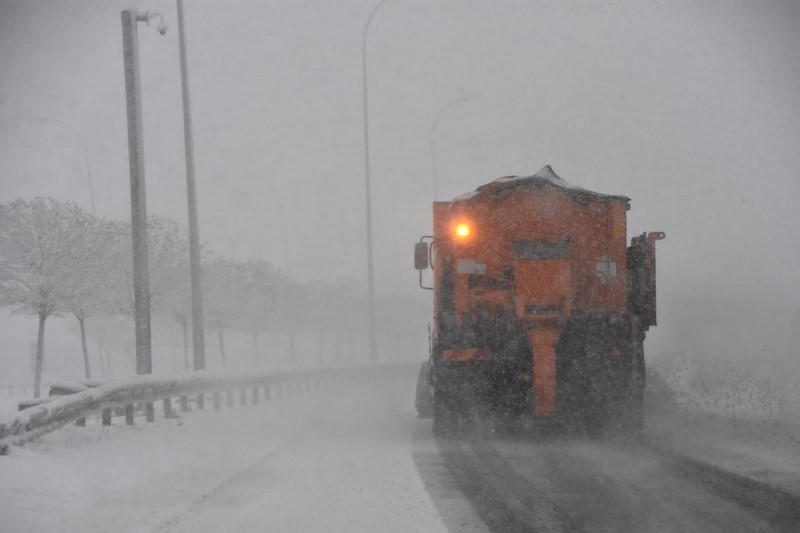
540,307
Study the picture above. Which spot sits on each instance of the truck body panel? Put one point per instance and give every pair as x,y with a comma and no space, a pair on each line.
534,309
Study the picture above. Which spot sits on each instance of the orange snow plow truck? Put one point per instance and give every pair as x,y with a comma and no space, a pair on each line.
540,306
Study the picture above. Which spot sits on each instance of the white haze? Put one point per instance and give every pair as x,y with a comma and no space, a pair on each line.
689,108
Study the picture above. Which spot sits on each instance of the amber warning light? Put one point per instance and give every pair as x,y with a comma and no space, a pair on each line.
462,230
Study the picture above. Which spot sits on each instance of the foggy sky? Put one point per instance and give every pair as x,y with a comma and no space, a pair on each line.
689,108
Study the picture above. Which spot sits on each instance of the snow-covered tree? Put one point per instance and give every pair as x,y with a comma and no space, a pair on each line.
42,242
336,306
90,278
258,308
168,261
179,308
223,290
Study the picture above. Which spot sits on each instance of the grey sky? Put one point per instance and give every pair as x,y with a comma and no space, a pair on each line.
689,108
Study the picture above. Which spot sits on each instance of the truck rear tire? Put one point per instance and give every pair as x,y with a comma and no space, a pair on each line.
445,419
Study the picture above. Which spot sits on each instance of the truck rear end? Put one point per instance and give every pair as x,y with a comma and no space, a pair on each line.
536,313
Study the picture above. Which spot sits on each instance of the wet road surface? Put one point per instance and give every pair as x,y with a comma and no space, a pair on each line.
576,484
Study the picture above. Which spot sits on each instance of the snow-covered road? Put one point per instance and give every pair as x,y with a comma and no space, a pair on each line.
361,461
303,463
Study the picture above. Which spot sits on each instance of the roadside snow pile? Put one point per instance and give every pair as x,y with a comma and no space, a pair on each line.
732,388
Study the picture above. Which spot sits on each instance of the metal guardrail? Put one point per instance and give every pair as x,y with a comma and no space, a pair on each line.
47,417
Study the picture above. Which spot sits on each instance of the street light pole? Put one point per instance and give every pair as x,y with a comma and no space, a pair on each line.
141,279
373,342
198,334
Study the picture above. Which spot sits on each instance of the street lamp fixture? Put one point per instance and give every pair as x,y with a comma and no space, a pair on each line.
162,26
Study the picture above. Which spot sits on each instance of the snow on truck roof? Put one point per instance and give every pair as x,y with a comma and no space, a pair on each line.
545,176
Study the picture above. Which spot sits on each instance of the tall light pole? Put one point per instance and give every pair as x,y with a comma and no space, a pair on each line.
141,279
433,140
373,342
198,334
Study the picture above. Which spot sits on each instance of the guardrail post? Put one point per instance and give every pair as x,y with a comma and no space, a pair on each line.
216,401
229,398
242,397
106,417
149,412
129,415
168,413
184,401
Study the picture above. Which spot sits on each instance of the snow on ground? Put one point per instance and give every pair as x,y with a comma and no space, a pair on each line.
329,462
